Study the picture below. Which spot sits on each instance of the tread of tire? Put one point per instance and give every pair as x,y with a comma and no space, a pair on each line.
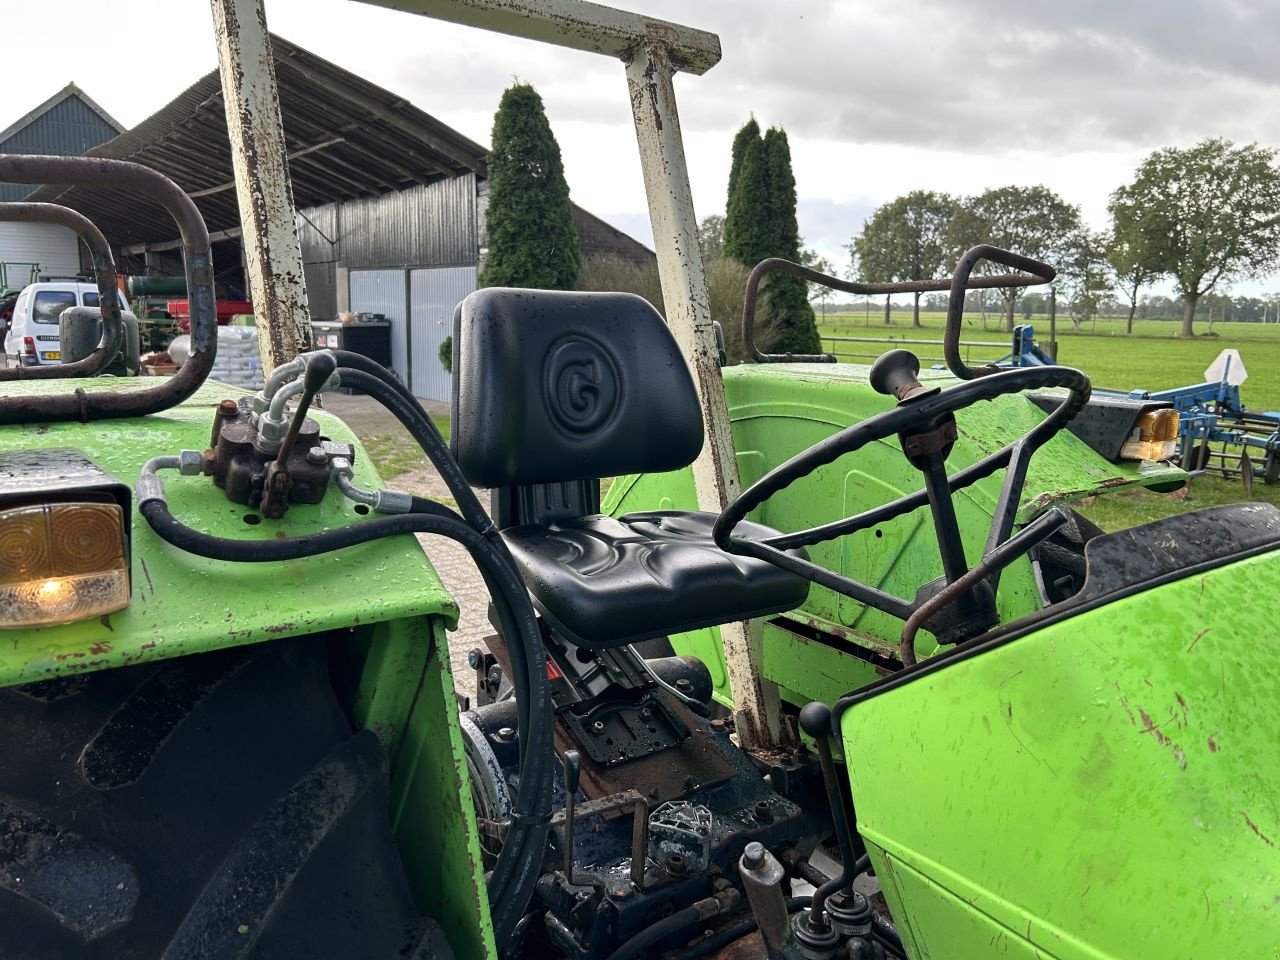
212,807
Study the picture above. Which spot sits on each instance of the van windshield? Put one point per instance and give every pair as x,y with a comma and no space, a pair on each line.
49,304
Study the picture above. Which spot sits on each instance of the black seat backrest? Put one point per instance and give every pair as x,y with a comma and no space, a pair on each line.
556,387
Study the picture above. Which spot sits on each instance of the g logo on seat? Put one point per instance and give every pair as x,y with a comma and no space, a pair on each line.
580,384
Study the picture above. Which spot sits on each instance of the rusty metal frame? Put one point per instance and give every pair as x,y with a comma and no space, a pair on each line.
120,174
104,271
652,51
259,158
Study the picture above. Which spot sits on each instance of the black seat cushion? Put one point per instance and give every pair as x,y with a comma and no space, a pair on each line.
604,581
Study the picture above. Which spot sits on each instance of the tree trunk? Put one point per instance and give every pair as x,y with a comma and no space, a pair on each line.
1133,308
888,321
1009,304
1188,314
915,316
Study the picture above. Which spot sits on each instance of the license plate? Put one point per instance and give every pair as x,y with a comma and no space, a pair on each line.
53,355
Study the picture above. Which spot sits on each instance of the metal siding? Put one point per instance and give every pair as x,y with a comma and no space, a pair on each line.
68,129
383,291
322,294
433,295
315,224
423,225
55,248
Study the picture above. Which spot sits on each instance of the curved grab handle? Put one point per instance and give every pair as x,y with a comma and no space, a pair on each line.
121,174
104,271
1036,273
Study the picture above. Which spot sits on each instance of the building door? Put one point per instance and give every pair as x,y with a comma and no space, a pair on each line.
434,293
383,291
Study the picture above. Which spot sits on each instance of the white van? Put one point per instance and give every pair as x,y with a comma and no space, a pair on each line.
32,337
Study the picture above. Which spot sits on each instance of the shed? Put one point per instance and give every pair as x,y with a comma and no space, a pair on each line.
67,124
389,200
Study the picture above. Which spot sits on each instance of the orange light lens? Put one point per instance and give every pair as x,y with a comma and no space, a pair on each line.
61,562
1154,437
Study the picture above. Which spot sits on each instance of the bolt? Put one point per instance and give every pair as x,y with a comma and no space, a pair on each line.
317,456
597,727
762,811
473,659
684,685
645,713
675,863
506,734
229,408
719,725
753,856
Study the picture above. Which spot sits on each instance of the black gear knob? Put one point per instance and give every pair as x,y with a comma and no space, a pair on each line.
894,375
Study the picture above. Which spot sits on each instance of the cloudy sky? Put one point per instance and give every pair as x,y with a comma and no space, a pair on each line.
878,97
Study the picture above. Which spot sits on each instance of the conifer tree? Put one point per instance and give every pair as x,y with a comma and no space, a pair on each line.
532,239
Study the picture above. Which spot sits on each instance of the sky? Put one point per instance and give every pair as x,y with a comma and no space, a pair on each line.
877,97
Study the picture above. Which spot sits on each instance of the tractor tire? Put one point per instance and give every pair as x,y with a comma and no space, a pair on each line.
204,808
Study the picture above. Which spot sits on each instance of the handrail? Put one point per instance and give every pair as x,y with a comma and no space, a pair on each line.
1037,272
104,270
120,174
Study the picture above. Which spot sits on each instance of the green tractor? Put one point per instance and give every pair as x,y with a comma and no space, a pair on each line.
894,699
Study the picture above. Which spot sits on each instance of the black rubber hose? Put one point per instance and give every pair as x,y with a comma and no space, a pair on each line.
395,397
739,930
519,864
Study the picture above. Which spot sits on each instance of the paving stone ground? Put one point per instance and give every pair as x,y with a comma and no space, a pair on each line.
367,418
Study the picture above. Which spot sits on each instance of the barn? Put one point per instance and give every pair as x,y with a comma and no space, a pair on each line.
390,203
67,124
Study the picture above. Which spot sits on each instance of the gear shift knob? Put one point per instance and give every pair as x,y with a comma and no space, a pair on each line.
894,375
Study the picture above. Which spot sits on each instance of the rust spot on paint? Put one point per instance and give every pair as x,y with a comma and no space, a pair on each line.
100,647
1211,743
1197,639
1254,827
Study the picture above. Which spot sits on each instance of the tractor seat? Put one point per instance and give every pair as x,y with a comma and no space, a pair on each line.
552,391
603,582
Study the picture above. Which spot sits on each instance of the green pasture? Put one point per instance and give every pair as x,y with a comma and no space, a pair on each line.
1152,358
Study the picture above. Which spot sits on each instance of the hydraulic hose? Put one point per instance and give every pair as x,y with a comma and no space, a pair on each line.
728,935
519,864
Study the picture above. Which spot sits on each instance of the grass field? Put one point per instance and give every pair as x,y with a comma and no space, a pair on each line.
1152,358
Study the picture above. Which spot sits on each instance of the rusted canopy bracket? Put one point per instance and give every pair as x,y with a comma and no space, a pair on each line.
273,256
104,272
576,24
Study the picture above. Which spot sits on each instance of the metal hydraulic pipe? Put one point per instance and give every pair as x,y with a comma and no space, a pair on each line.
104,271
80,404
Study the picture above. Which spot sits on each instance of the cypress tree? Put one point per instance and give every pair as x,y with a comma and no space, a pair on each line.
788,295
749,133
760,222
746,223
532,239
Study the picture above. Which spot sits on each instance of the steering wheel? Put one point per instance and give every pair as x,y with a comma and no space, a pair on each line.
924,421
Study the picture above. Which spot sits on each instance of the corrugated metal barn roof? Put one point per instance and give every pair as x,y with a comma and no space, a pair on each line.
345,137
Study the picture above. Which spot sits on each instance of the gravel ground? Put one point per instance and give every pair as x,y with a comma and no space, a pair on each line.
366,417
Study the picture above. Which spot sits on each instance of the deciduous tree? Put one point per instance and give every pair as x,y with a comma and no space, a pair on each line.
907,239
1204,215
1032,221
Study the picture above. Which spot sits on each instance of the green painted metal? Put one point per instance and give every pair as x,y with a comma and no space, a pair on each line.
380,607
184,604
407,697
778,410
1104,787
